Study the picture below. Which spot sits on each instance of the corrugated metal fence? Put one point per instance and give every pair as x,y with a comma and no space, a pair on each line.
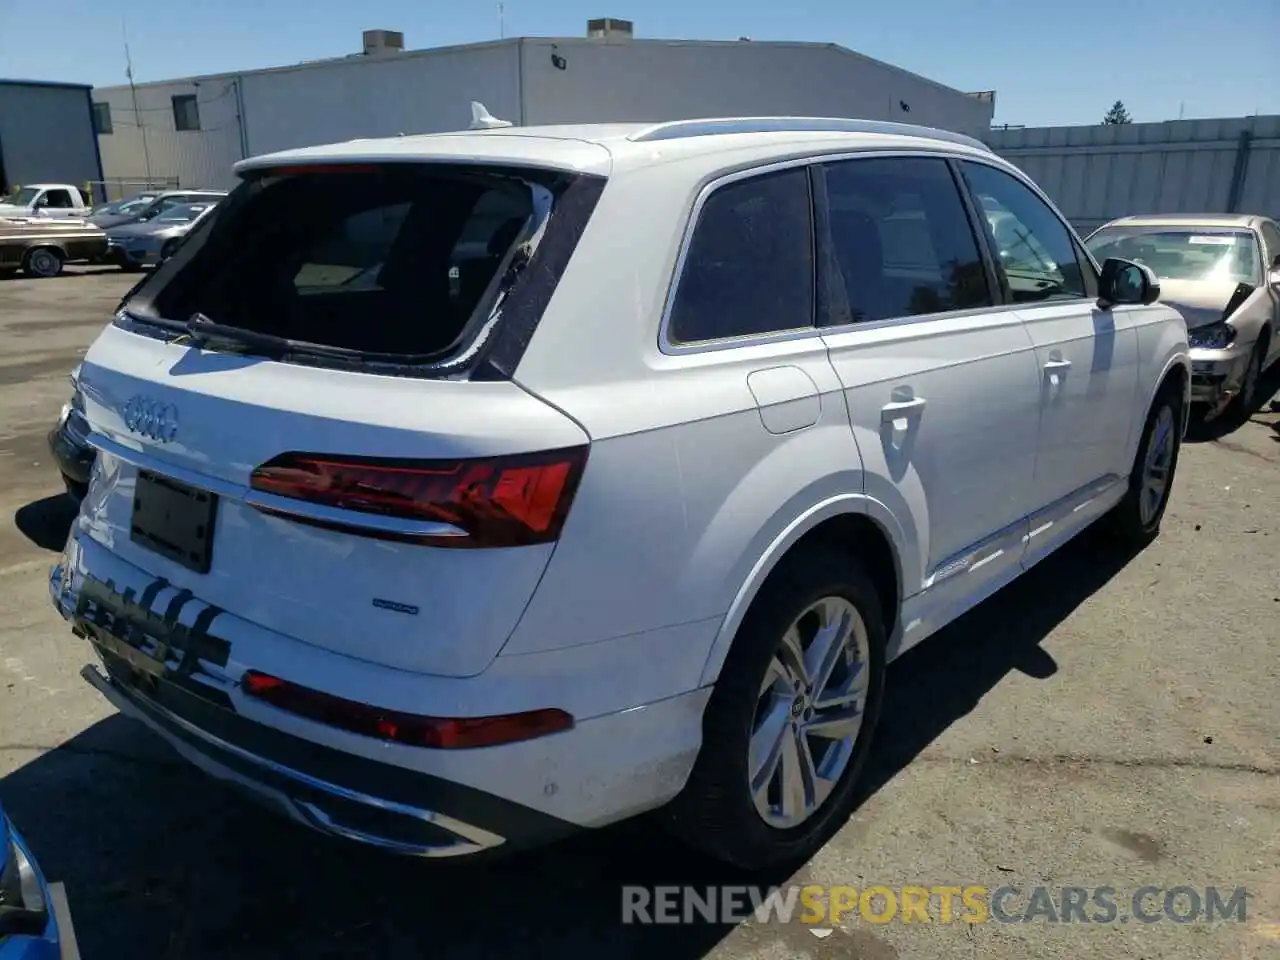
1095,174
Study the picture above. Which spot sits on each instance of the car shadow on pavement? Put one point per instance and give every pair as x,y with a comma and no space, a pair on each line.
46,522
160,862
72,271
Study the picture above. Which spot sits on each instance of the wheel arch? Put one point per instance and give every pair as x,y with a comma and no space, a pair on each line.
1176,377
1175,373
852,523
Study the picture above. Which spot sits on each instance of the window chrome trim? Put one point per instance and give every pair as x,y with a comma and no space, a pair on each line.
671,348
923,318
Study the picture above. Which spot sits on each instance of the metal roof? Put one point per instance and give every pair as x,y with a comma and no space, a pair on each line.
678,129
596,148
1189,220
45,83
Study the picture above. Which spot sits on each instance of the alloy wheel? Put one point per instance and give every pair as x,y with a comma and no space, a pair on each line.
1157,466
811,705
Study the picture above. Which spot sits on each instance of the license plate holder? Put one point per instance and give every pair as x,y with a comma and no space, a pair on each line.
174,520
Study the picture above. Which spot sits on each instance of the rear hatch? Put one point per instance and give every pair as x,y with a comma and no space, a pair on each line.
290,427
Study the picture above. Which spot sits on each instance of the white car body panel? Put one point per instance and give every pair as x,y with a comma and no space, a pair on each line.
706,465
304,581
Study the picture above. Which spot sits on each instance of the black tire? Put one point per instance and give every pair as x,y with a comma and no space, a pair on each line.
1126,522
1246,401
715,812
42,263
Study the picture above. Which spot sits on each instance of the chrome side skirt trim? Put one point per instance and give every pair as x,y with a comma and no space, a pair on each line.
1045,519
1022,531
979,554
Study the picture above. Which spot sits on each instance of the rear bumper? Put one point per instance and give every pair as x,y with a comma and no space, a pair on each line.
132,256
408,800
391,808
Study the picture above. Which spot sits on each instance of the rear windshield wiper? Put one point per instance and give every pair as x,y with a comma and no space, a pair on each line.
203,329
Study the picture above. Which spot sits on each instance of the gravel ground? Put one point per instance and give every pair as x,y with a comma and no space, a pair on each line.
1106,721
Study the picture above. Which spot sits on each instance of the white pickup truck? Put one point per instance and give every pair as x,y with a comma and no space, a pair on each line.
59,200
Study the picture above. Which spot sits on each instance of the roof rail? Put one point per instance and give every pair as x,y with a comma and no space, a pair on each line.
679,129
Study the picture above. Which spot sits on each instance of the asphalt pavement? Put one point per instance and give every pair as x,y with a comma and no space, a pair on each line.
1107,721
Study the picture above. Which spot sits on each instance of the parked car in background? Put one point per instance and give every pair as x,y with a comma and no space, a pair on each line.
452,553
127,206
69,443
1222,272
52,200
158,204
29,925
146,243
41,247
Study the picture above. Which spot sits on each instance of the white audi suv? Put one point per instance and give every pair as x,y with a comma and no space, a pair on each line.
458,492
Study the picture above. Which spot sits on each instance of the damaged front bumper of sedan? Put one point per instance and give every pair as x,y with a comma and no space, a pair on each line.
1219,362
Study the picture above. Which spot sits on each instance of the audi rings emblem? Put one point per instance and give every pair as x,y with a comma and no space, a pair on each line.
151,418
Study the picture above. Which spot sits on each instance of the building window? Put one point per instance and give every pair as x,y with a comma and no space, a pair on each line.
102,118
186,113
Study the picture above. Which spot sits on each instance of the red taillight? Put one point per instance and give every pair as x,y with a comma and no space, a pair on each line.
440,733
496,502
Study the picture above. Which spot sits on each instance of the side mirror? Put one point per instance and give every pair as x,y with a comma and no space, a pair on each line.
1126,282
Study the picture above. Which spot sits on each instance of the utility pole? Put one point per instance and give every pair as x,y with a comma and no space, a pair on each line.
133,91
502,22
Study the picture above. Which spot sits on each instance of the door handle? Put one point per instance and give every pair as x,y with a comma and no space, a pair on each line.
900,409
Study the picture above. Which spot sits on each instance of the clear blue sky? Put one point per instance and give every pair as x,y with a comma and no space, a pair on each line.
1050,63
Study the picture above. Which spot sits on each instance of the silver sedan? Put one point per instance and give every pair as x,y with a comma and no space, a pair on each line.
137,245
1222,273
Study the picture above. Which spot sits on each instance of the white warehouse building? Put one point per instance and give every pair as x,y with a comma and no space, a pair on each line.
190,132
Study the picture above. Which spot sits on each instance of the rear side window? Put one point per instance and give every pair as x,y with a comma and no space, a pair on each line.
393,261
748,270
901,241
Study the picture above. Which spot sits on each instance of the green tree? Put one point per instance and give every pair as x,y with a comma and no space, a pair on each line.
1117,114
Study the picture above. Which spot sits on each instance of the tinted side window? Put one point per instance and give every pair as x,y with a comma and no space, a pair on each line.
901,242
60,200
1034,247
749,266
